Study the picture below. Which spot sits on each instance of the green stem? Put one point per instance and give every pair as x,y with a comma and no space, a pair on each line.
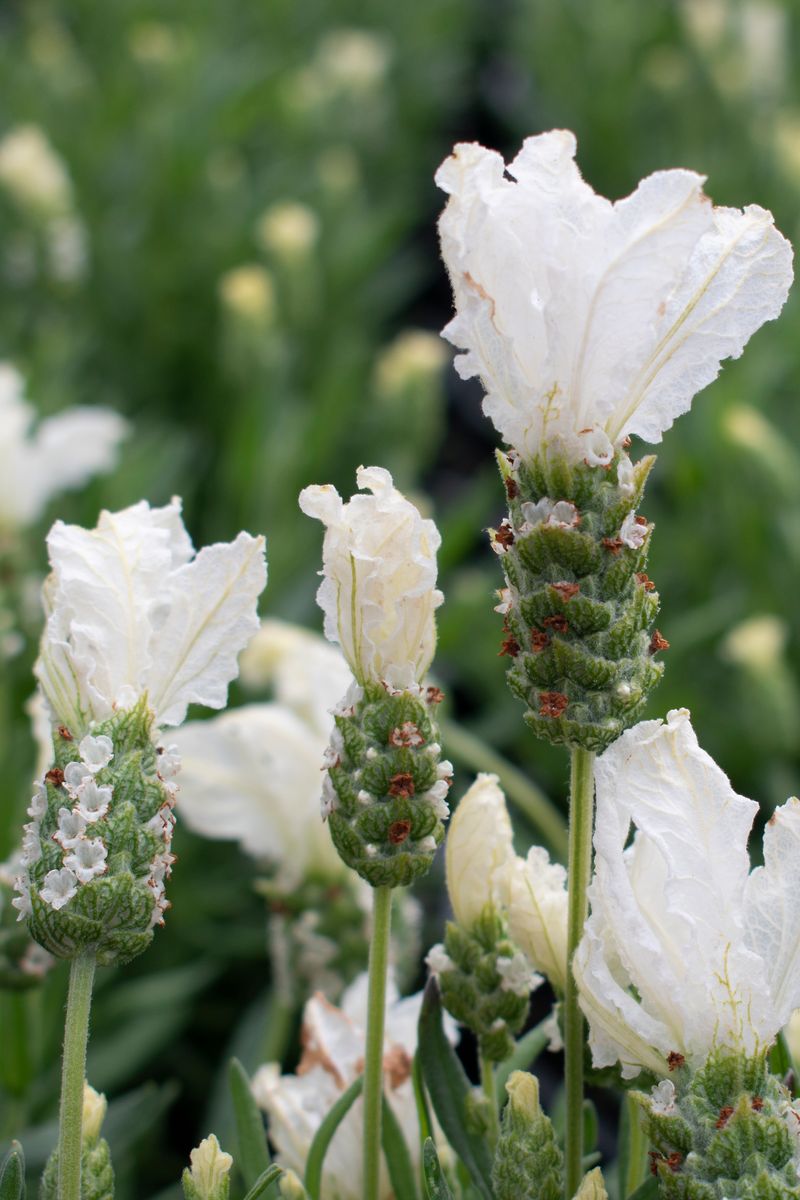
373,1061
581,813
469,749
490,1092
73,1073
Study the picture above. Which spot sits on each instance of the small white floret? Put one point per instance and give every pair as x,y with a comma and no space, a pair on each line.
93,801
517,976
59,887
88,858
438,960
634,531
74,775
662,1098
96,752
71,828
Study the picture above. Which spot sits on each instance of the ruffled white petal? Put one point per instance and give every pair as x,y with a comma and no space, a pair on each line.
378,592
668,913
131,611
587,318
537,912
772,908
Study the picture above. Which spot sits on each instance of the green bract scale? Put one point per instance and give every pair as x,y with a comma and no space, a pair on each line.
578,606
728,1132
385,786
485,982
97,849
527,1161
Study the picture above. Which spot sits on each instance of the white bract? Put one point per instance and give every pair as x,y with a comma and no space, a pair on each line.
61,452
379,587
537,912
333,1041
586,320
133,612
253,775
686,950
33,173
479,845
304,672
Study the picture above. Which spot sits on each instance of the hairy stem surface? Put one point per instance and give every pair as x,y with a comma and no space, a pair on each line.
73,1072
581,812
373,1064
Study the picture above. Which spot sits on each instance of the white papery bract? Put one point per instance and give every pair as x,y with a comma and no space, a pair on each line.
59,453
536,892
479,845
379,587
133,612
252,775
333,1042
304,672
586,320
686,950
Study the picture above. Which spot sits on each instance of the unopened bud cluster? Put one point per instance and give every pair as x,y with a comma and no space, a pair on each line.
729,1131
385,788
97,848
578,607
527,1161
97,1172
485,982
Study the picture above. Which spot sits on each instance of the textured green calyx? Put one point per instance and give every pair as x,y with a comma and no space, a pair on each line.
578,605
97,850
23,963
728,1132
527,1161
485,982
385,786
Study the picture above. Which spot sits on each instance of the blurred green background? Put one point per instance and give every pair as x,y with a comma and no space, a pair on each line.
242,260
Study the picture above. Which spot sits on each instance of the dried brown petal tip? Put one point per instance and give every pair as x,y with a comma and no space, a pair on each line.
552,704
401,785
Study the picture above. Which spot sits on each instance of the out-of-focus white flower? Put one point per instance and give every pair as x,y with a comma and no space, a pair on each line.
305,673
353,61
757,643
253,775
132,612
479,846
586,320
67,248
379,589
61,452
686,950
288,230
248,292
537,912
333,1042
33,173
415,356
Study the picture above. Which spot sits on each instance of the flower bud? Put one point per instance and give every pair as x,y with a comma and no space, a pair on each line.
97,1173
479,845
209,1175
290,1187
592,1187
95,1107
527,1162
537,912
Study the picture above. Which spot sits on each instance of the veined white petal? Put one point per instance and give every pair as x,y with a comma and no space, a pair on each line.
668,913
580,315
132,612
378,592
772,908
537,912
479,844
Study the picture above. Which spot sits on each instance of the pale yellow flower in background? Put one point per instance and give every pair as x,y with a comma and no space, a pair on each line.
32,173
478,848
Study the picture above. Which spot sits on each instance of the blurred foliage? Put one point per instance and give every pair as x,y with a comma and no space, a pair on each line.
244,242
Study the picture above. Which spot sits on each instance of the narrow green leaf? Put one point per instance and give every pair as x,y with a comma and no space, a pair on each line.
269,1176
590,1126
632,1149
398,1159
647,1191
525,1054
323,1136
423,1113
12,1174
449,1088
436,1185
253,1157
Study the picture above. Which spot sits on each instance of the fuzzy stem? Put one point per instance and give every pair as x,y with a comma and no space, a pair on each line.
580,866
373,1063
490,1091
76,1036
